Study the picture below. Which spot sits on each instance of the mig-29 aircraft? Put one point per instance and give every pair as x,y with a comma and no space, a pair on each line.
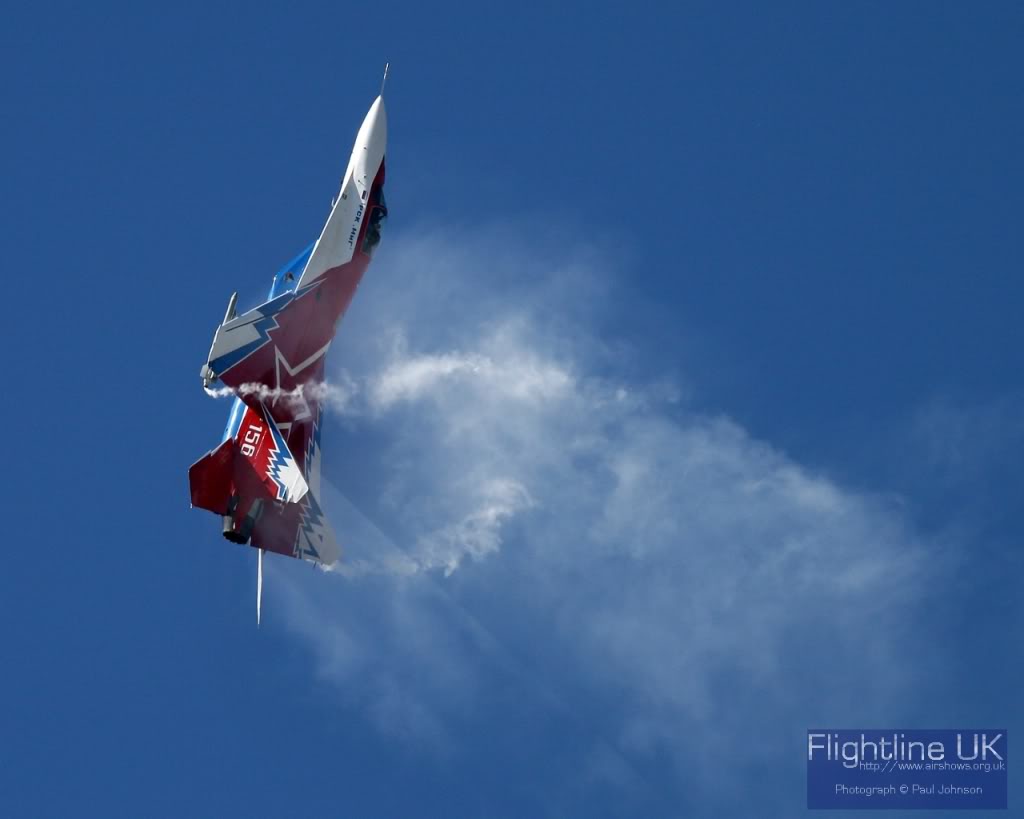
264,478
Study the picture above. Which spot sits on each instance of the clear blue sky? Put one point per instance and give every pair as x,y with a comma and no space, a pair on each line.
692,355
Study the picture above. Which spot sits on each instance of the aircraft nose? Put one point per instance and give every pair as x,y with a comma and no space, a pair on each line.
379,115
373,133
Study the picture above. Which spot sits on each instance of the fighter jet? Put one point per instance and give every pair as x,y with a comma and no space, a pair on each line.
264,478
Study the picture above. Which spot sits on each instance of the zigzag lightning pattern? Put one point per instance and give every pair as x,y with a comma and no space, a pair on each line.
279,456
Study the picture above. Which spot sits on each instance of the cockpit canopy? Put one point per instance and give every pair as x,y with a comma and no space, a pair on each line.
375,222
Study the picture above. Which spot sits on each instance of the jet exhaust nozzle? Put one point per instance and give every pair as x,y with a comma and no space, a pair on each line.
230,533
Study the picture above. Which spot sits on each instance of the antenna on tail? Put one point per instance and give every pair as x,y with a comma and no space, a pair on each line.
259,587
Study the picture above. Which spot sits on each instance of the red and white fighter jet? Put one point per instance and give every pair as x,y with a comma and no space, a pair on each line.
264,478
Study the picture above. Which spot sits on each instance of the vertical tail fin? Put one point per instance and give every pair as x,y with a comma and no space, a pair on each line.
255,464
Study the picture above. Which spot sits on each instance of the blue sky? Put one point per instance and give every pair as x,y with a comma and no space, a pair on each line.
684,403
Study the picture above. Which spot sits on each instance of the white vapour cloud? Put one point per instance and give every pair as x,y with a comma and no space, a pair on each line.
525,496
523,377
478,532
